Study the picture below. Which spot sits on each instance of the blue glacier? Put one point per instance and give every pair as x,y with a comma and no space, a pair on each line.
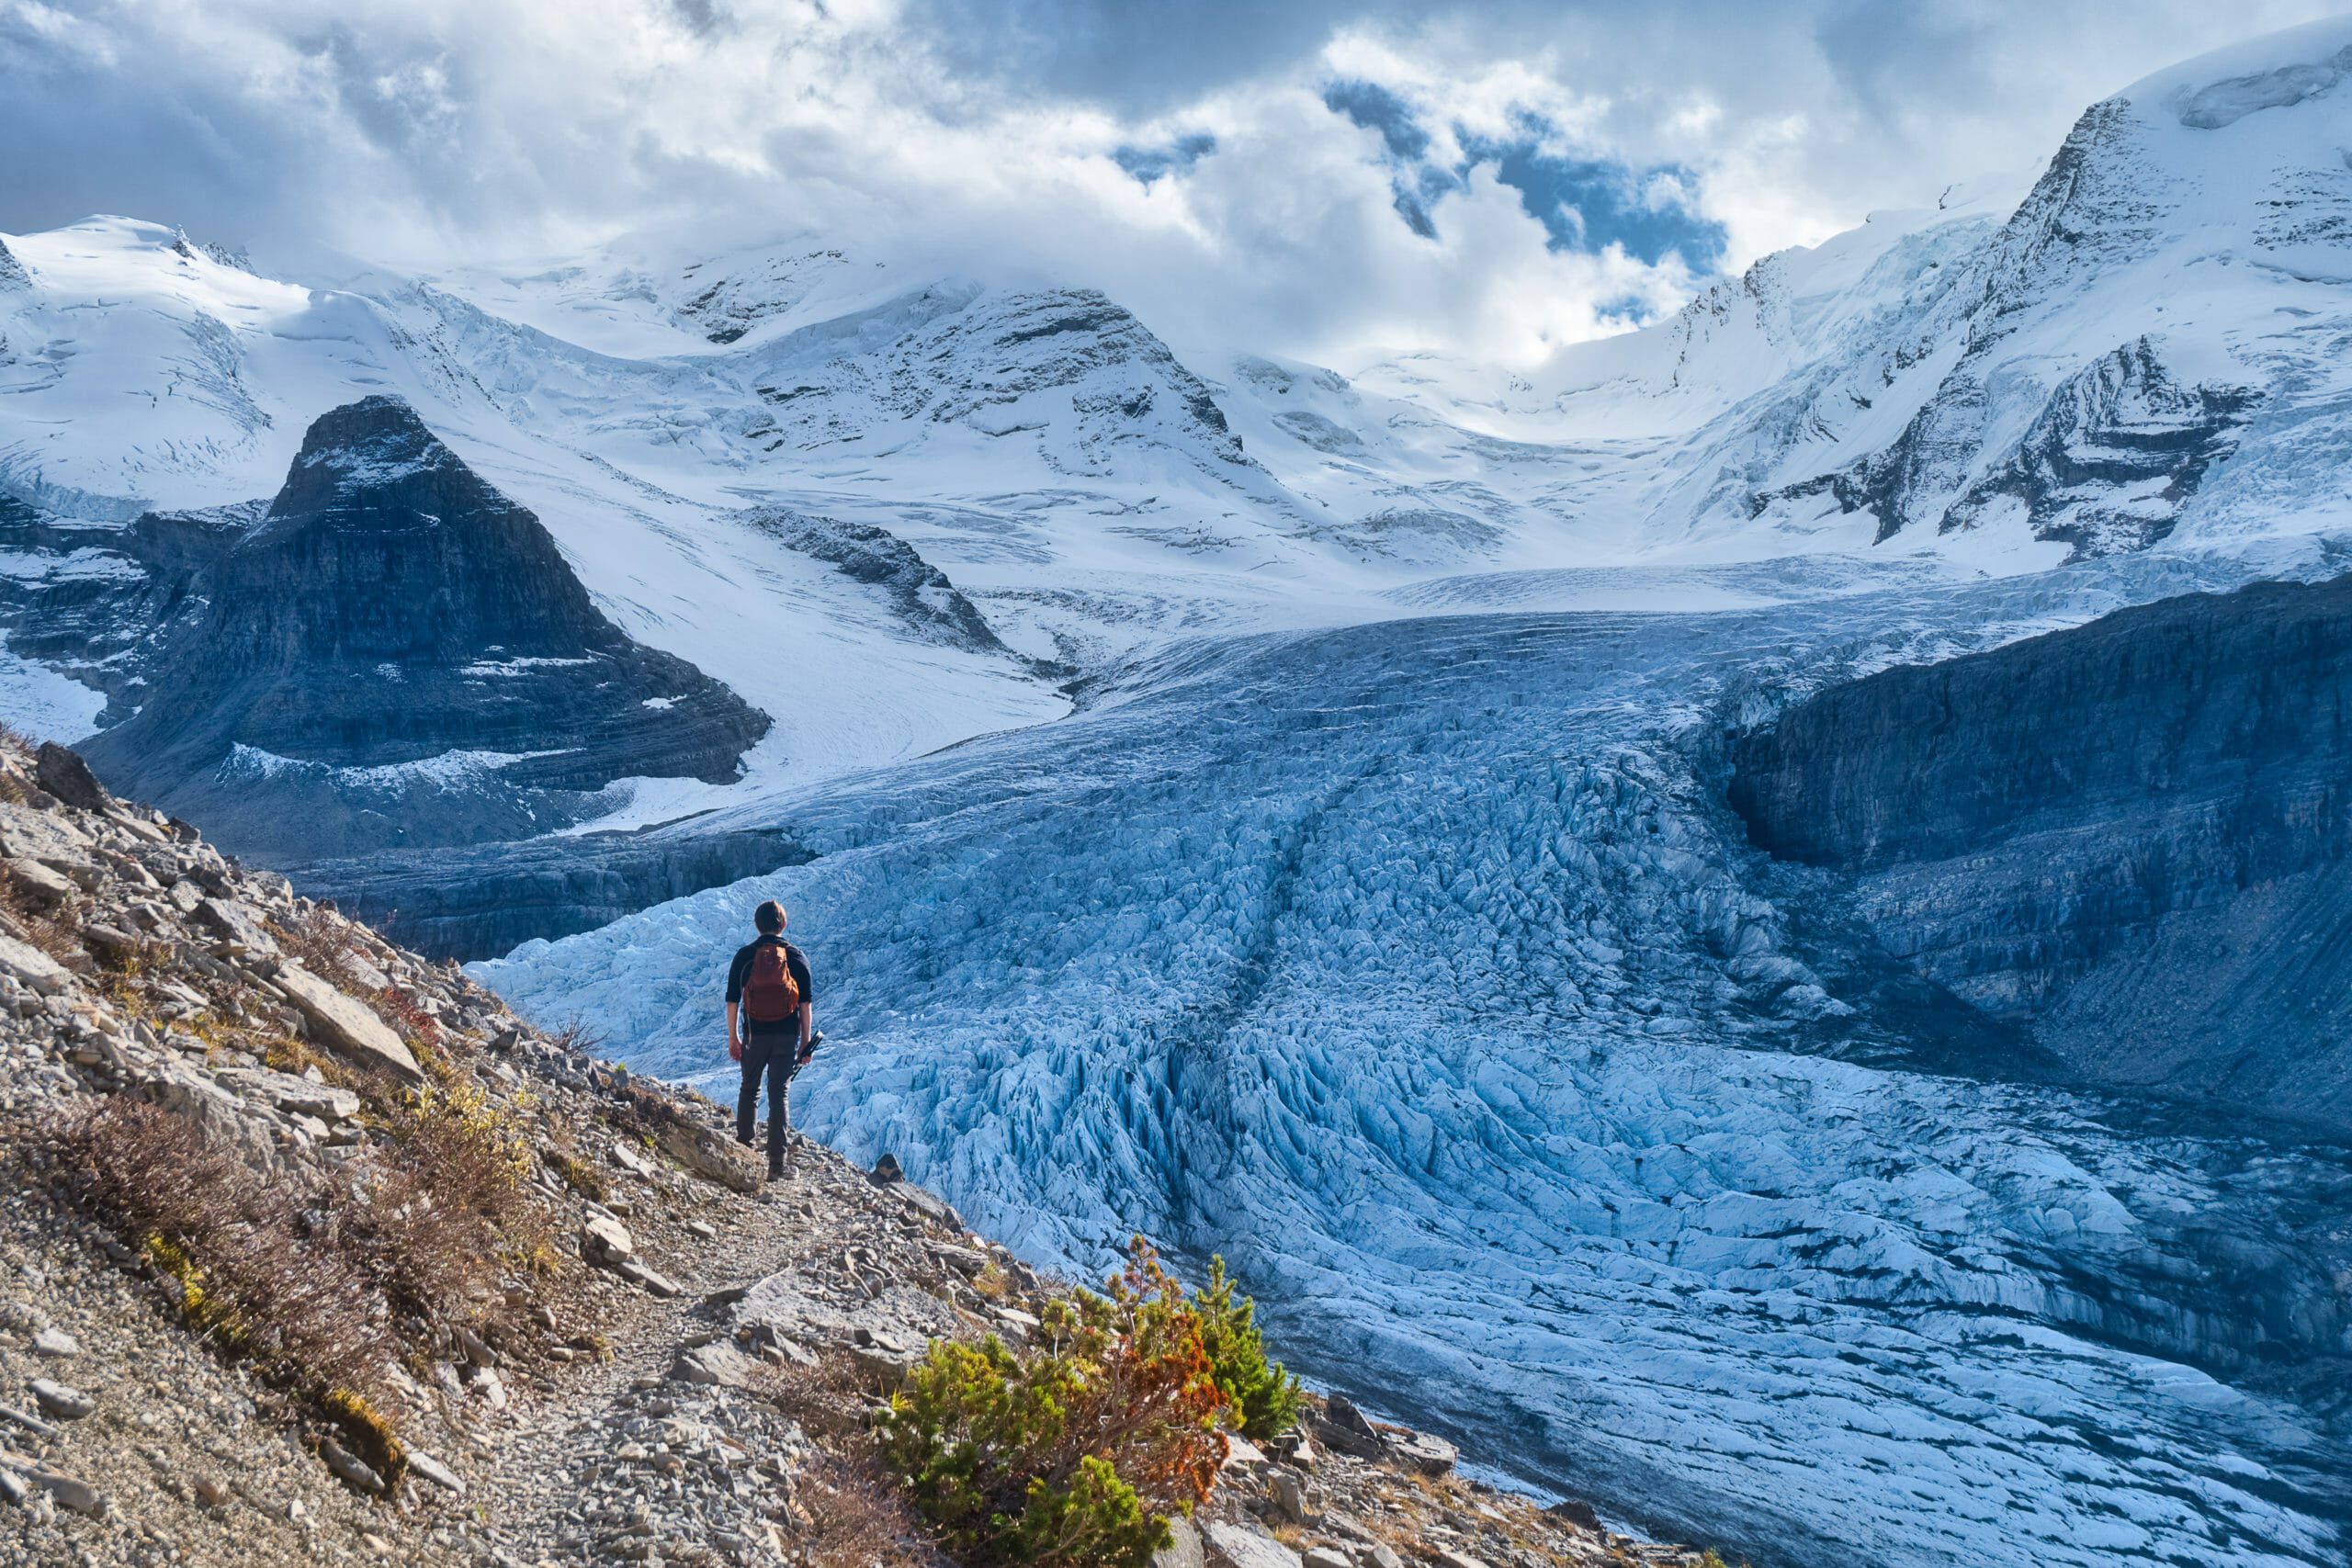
1419,968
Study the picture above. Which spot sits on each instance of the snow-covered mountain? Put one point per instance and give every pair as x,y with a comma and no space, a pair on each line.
1373,910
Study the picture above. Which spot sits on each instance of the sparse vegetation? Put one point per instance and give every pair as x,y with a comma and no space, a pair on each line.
1264,1398
1073,1455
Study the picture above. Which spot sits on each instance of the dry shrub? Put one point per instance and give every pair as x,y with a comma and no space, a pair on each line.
252,1267
454,1206
576,1039
857,1519
56,933
855,1515
308,1281
826,1399
320,940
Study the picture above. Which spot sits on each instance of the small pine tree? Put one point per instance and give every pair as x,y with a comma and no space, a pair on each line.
1262,1395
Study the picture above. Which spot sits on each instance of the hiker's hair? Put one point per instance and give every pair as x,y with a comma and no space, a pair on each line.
769,918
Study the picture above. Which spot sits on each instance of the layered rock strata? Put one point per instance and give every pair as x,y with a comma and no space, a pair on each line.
2130,834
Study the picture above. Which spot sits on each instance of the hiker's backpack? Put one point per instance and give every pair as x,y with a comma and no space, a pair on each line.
770,993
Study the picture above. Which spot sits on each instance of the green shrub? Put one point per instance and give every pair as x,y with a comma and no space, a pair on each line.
1265,1400
1073,1456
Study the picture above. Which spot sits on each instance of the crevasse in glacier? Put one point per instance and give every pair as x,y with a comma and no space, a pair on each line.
1419,968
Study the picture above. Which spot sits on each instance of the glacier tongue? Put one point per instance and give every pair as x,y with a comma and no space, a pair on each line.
1419,969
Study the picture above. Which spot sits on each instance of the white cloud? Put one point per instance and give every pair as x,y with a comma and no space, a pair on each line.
978,139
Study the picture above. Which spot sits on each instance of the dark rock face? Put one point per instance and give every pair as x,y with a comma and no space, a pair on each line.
392,654
2116,452
925,603
479,902
2132,835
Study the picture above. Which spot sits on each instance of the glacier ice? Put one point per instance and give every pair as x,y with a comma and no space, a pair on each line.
1418,969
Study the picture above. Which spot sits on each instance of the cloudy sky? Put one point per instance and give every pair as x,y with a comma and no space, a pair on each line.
1310,176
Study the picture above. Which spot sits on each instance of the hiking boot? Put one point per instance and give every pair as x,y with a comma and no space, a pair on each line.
776,1171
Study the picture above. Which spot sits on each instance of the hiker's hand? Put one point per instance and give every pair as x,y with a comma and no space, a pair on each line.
734,1049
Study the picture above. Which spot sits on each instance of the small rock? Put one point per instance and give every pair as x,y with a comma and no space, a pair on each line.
1451,1559
477,1350
78,1495
65,1404
654,1283
56,1344
702,1229
350,1468
1326,1557
212,1490
605,1240
887,1171
1572,1511
1381,1555
440,1475
377,1544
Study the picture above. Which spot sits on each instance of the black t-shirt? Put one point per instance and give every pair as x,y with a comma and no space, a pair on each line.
741,971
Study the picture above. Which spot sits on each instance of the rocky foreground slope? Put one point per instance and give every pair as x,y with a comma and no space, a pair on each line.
647,1354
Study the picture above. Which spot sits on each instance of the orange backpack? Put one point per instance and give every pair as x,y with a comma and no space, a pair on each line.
770,993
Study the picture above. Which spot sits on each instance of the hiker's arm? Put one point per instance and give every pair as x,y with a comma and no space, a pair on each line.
734,1042
808,1023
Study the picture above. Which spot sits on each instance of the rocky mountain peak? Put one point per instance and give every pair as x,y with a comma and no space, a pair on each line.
396,653
362,448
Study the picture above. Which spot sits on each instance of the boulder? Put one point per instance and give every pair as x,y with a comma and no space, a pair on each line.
61,1403
710,1154
1240,1547
42,887
224,1121
1184,1550
1431,1456
433,1470
888,1367
236,921
32,966
722,1366
114,944
350,1470
346,1026
638,1272
61,771
603,1239
296,1097
927,1204
887,1171
1579,1514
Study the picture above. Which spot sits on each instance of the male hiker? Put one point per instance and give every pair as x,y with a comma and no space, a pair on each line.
769,983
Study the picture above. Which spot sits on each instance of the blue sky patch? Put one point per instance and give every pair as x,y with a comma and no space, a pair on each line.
1590,204
1375,107
1178,157
1584,204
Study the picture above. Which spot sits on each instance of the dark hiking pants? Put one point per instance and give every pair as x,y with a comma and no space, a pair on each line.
773,1055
